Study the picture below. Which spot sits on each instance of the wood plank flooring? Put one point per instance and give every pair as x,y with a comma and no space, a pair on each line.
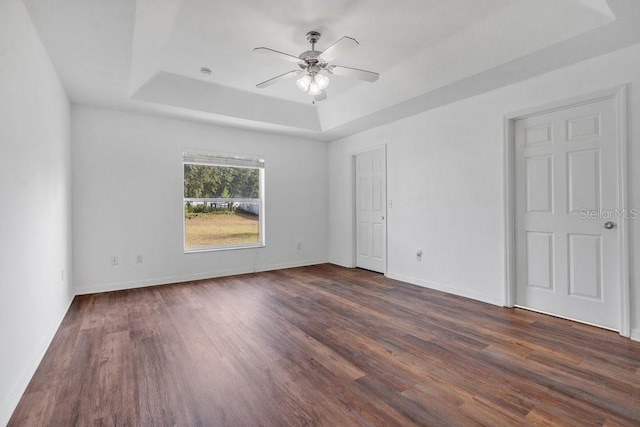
324,345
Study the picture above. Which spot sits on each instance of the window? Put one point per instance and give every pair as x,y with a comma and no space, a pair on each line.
223,202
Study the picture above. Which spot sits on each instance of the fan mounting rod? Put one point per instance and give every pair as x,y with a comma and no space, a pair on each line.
313,37
310,60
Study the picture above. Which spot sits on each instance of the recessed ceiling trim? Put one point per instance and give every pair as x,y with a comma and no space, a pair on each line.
197,95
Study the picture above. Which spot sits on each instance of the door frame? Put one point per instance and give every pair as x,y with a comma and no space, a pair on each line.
619,96
354,201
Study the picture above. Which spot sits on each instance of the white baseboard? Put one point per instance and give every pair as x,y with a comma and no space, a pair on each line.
635,334
189,277
445,288
9,405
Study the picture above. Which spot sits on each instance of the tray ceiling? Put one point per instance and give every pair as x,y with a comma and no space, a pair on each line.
146,55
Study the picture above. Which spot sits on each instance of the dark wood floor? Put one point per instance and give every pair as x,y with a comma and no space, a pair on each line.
324,345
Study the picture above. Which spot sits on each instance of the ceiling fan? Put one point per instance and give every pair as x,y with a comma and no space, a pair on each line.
312,63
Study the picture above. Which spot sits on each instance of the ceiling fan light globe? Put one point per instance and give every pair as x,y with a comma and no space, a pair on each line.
322,81
314,89
304,82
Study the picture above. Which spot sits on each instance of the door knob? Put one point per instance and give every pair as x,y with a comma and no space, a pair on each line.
382,218
609,225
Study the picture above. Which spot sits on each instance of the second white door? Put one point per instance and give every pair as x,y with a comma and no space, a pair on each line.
567,252
370,205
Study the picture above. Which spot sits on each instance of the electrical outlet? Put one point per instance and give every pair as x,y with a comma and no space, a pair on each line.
299,245
114,260
419,255
390,203
139,259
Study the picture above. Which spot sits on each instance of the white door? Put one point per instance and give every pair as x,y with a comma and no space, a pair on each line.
566,198
371,196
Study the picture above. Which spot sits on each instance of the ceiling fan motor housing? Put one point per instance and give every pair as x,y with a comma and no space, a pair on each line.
309,61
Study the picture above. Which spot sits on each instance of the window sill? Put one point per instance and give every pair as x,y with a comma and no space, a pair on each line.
221,248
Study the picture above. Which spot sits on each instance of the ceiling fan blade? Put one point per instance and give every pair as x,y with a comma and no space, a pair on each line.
277,54
339,70
338,48
321,97
276,79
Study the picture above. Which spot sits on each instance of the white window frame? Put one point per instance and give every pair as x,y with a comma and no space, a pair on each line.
197,157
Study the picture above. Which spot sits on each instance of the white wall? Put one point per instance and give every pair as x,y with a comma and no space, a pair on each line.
445,178
35,203
127,186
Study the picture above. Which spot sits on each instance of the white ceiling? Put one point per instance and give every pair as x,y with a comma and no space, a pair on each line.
146,54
